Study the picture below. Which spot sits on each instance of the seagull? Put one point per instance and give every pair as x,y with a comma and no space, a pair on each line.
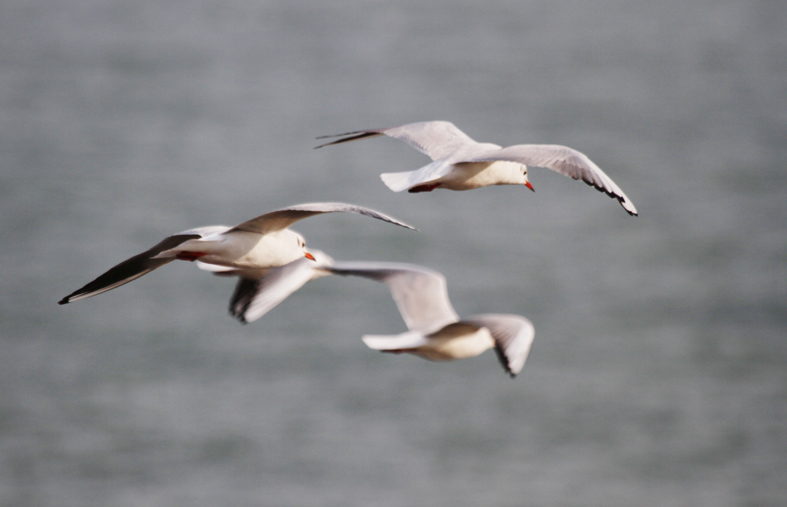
460,163
259,243
435,330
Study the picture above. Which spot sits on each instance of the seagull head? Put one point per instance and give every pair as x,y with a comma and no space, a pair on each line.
302,246
320,257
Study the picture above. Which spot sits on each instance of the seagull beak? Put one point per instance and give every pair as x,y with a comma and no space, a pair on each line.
309,256
528,185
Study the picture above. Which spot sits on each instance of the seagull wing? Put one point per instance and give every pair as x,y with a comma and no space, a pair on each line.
561,159
513,337
420,293
436,139
257,295
130,269
283,218
254,297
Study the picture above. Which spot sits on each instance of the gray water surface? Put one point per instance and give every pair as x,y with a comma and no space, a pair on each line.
658,375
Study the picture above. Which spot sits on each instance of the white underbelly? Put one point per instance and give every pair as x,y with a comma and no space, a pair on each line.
473,175
456,347
249,250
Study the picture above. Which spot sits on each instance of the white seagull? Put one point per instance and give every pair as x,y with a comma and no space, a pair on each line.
460,163
436,331
259,243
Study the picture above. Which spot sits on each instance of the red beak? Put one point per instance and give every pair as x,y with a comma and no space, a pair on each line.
528,185
309,256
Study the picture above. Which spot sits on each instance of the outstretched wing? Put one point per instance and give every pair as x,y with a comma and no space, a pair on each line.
130,269
283,218
420,293
436,139
561,159
513,337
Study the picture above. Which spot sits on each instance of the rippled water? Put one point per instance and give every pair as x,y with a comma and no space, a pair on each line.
658,374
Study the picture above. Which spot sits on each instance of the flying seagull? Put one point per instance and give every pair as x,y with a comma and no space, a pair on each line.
259,243
460,163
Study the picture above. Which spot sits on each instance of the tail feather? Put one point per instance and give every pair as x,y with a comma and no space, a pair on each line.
397,182
394,342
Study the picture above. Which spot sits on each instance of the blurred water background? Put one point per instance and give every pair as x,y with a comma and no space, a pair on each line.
659,371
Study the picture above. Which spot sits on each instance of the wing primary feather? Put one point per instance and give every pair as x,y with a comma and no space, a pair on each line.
130,269
242,296
352,136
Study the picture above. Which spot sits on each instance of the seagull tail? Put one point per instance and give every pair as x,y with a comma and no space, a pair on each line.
397,182
398,342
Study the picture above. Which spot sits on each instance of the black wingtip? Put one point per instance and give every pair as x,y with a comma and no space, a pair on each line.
623,203
239,317
504,361
352,136
63,301
329,144
622,200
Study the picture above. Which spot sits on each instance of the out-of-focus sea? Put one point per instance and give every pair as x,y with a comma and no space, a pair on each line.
658,375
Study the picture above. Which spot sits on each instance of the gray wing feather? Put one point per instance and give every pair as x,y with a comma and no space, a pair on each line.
254,297
436,139
513,335
561,159
283,218
130,269
420,293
